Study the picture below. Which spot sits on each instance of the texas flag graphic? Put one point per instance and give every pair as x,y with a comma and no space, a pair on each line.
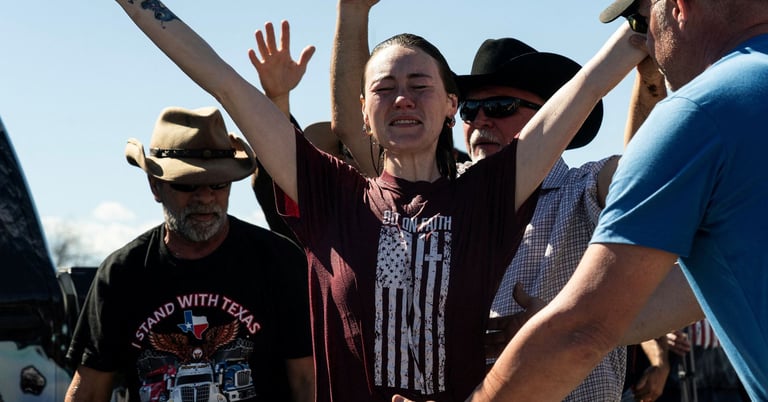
195,324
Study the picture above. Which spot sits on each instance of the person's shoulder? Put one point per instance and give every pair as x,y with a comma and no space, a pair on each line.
580,178
270,248
141,241
237,226
133,252
595,167
255,233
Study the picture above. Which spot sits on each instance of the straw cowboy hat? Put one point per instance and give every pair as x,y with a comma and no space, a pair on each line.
192,147
509,62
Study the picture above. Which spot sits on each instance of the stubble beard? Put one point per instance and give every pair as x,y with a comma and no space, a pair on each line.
193,230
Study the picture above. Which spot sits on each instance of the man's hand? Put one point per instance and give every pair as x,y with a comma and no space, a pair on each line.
678,342
278,72
651,385
501,329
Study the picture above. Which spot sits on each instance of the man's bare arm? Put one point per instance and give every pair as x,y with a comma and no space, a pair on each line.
561,344
89,385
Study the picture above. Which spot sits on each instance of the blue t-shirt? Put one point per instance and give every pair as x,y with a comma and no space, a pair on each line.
693,182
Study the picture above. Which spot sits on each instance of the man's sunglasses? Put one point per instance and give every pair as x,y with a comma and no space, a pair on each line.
191,188
637,22
495,107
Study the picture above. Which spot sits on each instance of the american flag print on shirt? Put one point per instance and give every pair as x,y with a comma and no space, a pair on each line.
412,274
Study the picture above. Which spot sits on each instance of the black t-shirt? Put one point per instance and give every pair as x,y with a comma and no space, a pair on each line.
173,326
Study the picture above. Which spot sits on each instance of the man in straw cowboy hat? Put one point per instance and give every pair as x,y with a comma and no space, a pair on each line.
203,295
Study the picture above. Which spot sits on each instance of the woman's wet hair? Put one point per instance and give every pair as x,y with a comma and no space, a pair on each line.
446,163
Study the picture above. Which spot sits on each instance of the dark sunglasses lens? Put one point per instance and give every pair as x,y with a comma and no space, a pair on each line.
638,23
190,188
219,186
468,110
493,108
183,188
500,108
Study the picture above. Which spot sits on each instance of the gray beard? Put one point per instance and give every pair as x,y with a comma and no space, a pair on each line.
191,230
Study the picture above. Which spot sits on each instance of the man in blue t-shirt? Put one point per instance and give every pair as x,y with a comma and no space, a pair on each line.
690,188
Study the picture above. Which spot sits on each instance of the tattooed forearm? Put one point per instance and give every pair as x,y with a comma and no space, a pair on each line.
162,13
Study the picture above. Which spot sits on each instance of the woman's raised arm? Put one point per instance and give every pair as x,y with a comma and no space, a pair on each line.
546,135
265,127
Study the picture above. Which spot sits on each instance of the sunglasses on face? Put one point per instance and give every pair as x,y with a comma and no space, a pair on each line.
495,107
637,22
191,188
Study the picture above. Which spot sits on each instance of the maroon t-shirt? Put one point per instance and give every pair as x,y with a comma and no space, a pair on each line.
402,274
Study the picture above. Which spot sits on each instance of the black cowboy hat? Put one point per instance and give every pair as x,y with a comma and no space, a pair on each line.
511,63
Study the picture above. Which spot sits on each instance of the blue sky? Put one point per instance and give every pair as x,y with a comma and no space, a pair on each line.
77,79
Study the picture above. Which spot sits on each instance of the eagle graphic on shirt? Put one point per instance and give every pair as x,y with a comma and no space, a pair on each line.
181,346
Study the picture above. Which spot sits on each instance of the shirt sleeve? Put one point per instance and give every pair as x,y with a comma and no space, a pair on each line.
293,302
325,186
97,334
659,193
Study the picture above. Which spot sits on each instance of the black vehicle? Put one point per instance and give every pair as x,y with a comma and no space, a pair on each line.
38,304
